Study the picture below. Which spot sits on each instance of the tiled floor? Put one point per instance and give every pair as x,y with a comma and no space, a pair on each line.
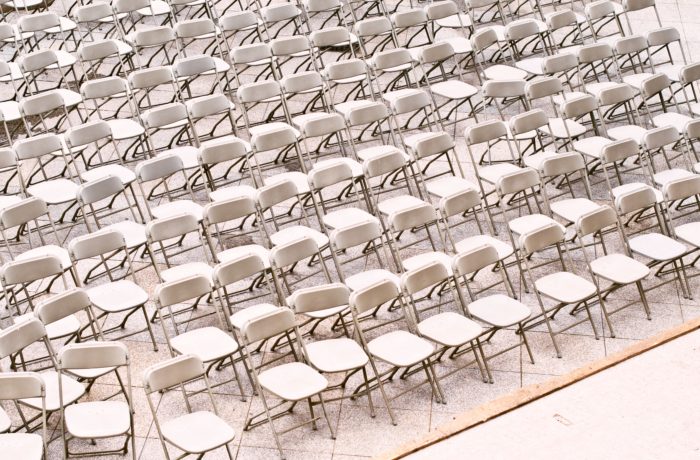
359,435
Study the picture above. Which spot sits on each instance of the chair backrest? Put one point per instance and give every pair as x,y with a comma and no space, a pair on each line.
93,355
541,238
475,259
17,337
29,270
96,244
683,188
21,385
173,372
417,279
373,296
64,304
632,201
235,270
596,220
266,326
182,290
318,298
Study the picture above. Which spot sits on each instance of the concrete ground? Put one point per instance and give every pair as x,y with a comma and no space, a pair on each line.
642,408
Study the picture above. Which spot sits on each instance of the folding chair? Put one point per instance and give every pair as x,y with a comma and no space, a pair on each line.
448,329
655,246
17,386
617,268
120,296
398,348
336,355
194,432
563,287
166,235
680,191
211,344
226,154
97,419
498,311
291,382
15,340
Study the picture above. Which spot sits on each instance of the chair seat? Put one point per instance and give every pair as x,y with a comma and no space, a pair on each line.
125,128
367,278
400,348
188,154
27,446
156,8
690,233
234,191
503,249
244,250
499,310
55,191
240,318
596,88
378,150
532,66
445,186
336,355
493,173
124,174
449,329
672,71
619,268
635,80
635,132
425,258
346,217
98,419
392,96
591,146
504,72
677,120
177,207
49,249
179,272
573,208
72,391
657,247
664,177
454,89
273,126
293,233
535,161
120,295
293,381
64,327
133,232
197,432
559,128
460,45
299,178
209,343
565,287
398,203
531,222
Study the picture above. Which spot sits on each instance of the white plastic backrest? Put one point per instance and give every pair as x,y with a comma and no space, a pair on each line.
475,259
371,27
655,84
171,227
276,138
269,325
459,202
193,65
150,77
153,36
160,167
681,189
503,88
323,125
641,198
192,28
258,91
485,131
227,210
541,238
17,337
441,9
172,372
23,271
87,133
615,94
354,235
663,36
690,73
103,87
21,385
329,174
99,189
373,296
316,298
528,121
182,290
238,20
23,212
409,18
619,150
93,355
579,106
367,114
235,270
596,220
594,52
221,150
284,255
547,86
385,163
7,158
660,137
414,281
164,115
330,36
279,192
563,163
414,216
41,103
517,181
62,305
95,244
433,144
93,51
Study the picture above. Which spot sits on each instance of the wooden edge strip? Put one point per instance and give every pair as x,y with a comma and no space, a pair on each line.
531,393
